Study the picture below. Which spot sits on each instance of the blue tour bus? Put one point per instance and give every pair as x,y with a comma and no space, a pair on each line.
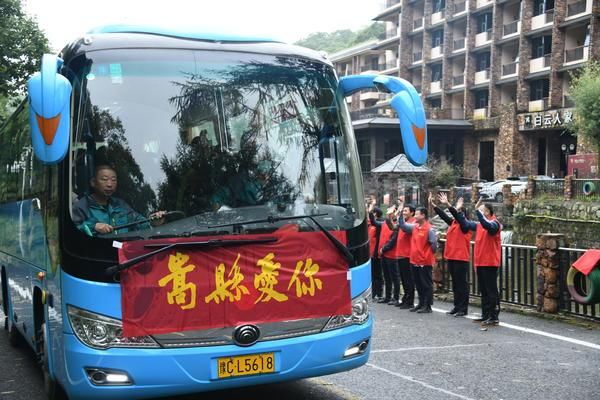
174,113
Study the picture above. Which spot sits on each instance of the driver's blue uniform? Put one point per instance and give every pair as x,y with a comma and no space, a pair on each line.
87,213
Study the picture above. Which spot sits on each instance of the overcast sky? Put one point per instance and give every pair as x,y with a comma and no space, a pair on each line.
65,20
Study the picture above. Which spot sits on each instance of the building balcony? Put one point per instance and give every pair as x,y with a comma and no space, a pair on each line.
436,52
435,87
542,20
578,7
539,64
417,56
460,7
510,69
437,17
372,94
482,76
482,3
458,80
391,3
368,69
483,38
391,33
511,28
539,105
418,23
577,54
458,44
388,65
457,113
349,99
480,113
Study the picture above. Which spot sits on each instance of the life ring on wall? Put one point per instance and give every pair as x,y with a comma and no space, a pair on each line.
589,188
584,289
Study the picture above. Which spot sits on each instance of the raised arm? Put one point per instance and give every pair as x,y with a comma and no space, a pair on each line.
465,224
491,226
443,201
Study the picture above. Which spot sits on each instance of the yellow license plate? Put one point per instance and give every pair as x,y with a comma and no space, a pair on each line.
251,364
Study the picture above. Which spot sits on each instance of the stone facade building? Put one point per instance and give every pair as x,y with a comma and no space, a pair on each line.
494,76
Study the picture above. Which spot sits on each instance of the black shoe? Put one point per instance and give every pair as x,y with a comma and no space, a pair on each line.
424,310
452,312
394,303
415,308
406,306
481,319
460,314
383,300
491,322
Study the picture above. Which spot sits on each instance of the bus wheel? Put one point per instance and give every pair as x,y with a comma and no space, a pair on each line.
51,387
14,337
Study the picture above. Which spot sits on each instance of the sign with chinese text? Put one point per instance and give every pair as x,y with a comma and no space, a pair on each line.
551,119
583,165
301,275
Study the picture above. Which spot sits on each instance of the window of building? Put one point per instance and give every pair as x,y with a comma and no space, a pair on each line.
541,6
484,22
539,89
435,103
540,46
392,148
437,38
436,72
364,153
481,98
482,61
439,5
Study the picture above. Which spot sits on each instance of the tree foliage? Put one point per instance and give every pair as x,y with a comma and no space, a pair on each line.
585,90
342,39
22,43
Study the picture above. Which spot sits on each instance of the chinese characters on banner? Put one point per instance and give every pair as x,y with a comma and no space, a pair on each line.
549,119
301,275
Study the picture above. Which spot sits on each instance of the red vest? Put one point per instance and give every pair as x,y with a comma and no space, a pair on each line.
458,244
487,247
384,236
402,247
372,239
420,249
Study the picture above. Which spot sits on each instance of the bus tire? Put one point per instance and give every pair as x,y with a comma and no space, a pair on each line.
53,390
575,281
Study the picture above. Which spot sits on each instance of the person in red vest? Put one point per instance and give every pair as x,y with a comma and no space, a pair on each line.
399,249
487,259
457,253
390,259
384,235
423,244
374,234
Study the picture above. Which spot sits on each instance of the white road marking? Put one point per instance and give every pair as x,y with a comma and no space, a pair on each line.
424,384
428,348
538,332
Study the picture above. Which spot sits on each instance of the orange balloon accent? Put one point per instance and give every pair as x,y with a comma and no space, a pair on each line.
419,135
48,127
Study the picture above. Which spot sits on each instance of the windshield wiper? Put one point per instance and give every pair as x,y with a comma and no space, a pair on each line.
272,219
166,246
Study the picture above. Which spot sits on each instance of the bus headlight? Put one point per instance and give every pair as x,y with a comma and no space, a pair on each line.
360,313
101,332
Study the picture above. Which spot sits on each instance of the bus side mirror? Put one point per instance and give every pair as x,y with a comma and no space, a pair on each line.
407,104
49,111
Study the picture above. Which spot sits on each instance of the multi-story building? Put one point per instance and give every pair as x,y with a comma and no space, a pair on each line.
494,76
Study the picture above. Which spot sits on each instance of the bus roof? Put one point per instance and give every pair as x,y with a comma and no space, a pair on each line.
132,37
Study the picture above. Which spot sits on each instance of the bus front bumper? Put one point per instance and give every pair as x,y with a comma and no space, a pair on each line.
170,372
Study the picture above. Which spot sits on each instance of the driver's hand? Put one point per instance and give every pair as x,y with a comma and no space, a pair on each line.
101,227
158,218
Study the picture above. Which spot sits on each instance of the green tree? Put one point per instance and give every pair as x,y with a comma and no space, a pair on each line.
22,43
342,39
585,90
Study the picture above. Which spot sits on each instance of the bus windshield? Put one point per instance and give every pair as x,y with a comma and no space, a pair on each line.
215,139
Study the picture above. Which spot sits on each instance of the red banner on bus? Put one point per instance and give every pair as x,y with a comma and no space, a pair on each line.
300,275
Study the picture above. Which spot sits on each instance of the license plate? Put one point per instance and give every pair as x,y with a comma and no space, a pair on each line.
252,364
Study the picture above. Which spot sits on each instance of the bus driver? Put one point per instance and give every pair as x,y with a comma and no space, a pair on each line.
100,212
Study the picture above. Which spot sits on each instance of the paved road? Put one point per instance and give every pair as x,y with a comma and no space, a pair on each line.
416,356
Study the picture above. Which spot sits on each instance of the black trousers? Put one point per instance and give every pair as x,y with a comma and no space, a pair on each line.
487,279
408,283
392,291
376,277
459,271
424,282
